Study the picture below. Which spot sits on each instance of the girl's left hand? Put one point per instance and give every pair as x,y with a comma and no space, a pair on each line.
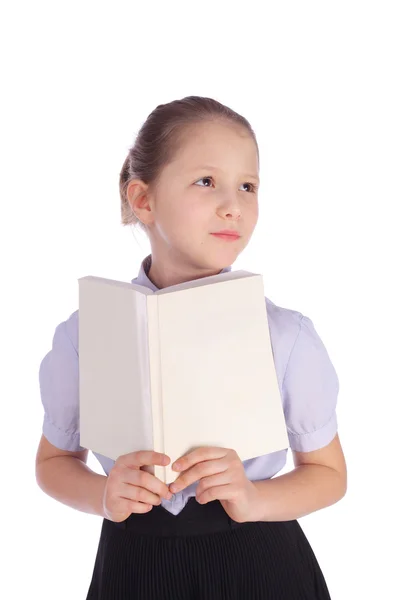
221,477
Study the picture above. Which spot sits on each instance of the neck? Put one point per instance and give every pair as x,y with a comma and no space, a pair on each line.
165,273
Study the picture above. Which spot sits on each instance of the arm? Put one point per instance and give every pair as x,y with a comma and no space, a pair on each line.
318,480
64,475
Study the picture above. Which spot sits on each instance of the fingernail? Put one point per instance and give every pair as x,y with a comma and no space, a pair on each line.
169,496
176,466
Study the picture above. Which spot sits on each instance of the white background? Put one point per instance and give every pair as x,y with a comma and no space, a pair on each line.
319,82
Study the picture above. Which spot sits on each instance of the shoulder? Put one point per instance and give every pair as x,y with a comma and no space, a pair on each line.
285,321
71,329
284,327
65,341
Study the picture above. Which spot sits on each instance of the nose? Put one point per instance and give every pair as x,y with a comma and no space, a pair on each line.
230,209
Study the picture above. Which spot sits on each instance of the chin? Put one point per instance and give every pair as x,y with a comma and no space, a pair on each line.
218,260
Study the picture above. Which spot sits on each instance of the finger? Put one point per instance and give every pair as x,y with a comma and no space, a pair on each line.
136,460
147,481
136,507
217,480
220,492
200,470
127,507
139,494
139,507
199,454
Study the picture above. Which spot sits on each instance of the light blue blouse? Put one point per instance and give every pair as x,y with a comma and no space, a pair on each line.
307,380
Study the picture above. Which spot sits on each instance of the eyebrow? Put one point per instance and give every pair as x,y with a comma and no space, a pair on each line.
211,168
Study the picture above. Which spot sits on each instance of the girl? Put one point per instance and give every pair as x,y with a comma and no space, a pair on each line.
224,529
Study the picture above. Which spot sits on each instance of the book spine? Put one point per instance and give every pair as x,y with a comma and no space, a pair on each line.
155,380
143,386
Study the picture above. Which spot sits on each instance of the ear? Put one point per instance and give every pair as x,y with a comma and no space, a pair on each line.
140,201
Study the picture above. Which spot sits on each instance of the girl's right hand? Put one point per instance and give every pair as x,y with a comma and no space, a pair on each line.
130,489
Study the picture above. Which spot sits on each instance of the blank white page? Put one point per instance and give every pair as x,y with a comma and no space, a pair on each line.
114,386
218,376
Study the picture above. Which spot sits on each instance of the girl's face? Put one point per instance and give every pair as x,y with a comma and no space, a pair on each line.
211,185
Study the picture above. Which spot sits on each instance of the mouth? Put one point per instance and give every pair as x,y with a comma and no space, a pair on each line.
227,235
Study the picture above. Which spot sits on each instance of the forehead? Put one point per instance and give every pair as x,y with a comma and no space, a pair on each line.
223,146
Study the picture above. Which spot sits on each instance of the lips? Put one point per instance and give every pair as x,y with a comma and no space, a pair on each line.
227,234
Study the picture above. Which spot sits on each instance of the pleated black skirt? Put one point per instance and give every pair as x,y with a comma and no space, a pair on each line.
202,554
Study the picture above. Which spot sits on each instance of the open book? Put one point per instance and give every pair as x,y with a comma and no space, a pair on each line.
186,366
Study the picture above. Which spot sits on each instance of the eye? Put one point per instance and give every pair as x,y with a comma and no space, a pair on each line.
253,187
204,179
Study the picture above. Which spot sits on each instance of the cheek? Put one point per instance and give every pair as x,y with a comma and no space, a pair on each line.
251,212
191,217
168,218
256,214
181,225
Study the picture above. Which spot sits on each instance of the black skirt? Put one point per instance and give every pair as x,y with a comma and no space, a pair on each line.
203,554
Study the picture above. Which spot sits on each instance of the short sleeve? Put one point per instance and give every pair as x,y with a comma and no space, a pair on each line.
310,391
59,389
